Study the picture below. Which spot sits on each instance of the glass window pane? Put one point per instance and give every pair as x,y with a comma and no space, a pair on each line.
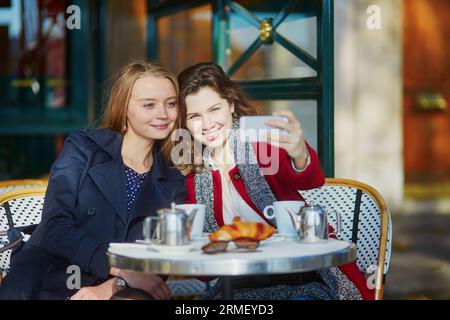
126,33
305,111
301,31
272,60
33,57
185,38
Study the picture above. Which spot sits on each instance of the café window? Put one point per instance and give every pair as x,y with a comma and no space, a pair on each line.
33,59
44,81
280,52
304,110
185,38
272,59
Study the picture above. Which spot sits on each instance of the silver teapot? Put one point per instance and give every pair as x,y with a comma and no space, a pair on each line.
172,228
311,223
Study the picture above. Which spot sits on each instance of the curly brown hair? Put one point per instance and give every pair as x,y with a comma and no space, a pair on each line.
210,75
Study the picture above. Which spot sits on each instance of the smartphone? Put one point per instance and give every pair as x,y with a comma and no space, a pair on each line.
252,127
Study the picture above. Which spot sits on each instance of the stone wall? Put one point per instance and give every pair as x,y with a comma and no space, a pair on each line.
368,97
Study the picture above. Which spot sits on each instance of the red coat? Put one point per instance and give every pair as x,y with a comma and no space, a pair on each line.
284,185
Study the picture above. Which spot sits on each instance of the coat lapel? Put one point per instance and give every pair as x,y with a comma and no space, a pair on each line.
149,200
109,179
109,175
156,190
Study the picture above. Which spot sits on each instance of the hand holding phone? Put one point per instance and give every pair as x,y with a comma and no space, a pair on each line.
286,134
254,128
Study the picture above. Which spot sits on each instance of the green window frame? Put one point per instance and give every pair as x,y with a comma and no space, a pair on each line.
15,121
319,88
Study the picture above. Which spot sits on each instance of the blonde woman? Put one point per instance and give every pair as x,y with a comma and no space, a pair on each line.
101,188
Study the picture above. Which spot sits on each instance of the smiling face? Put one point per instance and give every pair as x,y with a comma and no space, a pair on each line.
152,109
208,117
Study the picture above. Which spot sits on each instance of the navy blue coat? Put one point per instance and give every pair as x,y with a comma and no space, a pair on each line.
85,209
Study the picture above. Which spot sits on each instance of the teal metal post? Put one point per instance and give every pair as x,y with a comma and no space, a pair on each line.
326,101
221,33
152,32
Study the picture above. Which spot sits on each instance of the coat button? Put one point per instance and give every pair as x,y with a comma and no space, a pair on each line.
49,268
91,211
236,176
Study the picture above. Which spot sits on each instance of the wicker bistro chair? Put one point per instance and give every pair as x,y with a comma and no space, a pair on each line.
366,222
183,288
11,185
20,212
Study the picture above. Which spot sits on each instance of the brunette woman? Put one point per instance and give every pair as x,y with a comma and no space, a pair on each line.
229,185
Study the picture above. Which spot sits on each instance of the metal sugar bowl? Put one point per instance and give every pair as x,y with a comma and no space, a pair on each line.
172,228
311,223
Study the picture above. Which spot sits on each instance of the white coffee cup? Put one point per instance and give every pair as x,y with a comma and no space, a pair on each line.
199,220
280,212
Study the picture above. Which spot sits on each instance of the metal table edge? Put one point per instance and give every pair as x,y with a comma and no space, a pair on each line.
235,267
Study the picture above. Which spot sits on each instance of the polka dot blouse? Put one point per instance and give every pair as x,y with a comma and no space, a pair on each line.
134,183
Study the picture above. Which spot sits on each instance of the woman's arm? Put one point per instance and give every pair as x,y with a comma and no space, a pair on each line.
309,178
63,238
299,165
103,291
150,283
60,234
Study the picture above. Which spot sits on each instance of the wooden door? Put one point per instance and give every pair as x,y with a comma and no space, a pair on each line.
426,75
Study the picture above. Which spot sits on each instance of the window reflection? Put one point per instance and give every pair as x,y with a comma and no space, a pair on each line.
185,38
33,56
271,60
125,33
304,110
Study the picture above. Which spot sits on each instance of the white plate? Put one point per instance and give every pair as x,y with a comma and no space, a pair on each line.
286,236
170,249
126,245
201,238
273,239
204,235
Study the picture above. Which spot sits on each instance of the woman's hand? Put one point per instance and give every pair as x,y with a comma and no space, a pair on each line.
103,291
150,283
293,142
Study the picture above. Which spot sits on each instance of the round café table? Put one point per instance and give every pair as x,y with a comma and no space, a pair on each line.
277,255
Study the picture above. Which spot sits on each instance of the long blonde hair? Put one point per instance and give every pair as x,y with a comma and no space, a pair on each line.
115,115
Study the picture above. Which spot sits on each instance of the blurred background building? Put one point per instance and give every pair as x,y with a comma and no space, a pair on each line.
369,79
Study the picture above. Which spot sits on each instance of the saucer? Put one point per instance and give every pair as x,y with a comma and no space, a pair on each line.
162,248
316,242
272,239
286,235
183,249
202,237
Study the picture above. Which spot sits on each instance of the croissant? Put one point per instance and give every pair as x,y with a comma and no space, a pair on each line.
243,229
